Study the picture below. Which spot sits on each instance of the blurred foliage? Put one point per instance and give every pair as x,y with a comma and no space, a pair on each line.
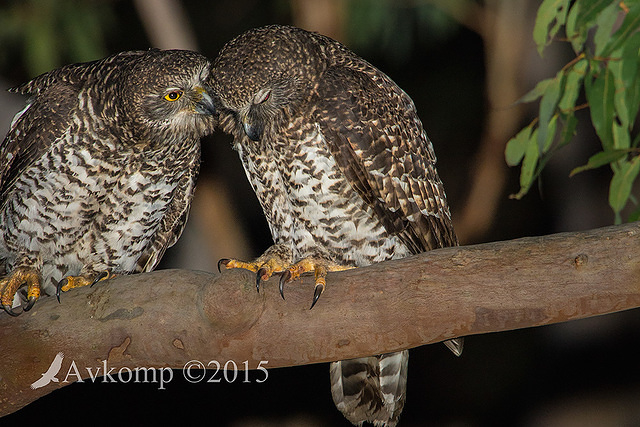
605,36
391,28
50,33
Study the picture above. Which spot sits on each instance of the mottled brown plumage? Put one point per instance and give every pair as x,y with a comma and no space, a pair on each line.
97,172
343,169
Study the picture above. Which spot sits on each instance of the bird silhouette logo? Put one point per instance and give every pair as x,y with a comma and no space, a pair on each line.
51,373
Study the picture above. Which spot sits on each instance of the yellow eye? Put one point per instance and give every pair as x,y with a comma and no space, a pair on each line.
173,95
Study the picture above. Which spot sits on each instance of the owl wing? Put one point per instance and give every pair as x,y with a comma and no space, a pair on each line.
34,129
173,221
377,140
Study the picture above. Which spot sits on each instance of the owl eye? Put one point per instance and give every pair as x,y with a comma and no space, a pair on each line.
262,96
174,95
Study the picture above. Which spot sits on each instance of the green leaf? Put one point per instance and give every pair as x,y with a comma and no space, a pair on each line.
551,133
621,183
621,136
632,96
529,163
605,21
627,78
575,33
516,147
630,58
536,92
572,85
548,105
624,95
580,20
600,159
588,11
550,13
600,90
630,25
570,123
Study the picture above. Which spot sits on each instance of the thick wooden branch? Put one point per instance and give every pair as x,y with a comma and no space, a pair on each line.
166,318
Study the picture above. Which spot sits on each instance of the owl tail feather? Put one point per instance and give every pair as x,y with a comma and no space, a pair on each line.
371,389
455,345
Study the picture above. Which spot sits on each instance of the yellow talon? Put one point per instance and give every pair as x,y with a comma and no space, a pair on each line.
9,286
71,282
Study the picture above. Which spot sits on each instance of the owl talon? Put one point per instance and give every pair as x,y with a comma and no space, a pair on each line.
103,275
59,286
317,291
259,275
9,310
9,286
30,303
286,276
70,282
222,261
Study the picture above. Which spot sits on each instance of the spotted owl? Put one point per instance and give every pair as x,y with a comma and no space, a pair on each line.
344,172
98,170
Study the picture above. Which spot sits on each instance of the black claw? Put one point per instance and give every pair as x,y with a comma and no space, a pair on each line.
259,275
99,277
316,294
284,279
222,261
9,310
32,300
59,286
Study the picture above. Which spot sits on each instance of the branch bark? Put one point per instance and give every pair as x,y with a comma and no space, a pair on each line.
166,318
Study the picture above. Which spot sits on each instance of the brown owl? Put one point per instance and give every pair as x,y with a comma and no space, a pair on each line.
344,172
98,170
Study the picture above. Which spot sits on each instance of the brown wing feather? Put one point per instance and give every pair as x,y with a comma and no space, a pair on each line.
32,134
173,222
378,141
53,96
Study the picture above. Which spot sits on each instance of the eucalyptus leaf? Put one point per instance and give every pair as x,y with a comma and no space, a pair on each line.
605,21
548,105
550,13
600,90
572,85
536,92
600,159
529,163
621,183
516,147
629,26
551,133
621,136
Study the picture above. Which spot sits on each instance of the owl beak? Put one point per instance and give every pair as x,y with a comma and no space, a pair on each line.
254,132
204,101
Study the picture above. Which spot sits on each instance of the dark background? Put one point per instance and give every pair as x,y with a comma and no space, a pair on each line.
443,54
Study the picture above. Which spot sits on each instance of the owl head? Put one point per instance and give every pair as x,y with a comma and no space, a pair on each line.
164,95
266,73
144,96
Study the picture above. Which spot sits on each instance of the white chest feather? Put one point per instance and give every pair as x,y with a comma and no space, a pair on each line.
310,204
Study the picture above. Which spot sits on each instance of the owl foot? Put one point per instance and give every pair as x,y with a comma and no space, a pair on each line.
10,284
278,259
71,282
274,260
319,266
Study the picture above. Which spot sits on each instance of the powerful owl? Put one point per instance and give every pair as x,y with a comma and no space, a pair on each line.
345,175
98,170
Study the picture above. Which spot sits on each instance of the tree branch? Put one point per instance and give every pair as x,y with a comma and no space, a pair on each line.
166,318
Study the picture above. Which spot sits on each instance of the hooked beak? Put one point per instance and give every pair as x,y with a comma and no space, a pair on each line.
204,101
254,132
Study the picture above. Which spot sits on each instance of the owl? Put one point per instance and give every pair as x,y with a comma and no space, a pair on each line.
98,170
344,172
